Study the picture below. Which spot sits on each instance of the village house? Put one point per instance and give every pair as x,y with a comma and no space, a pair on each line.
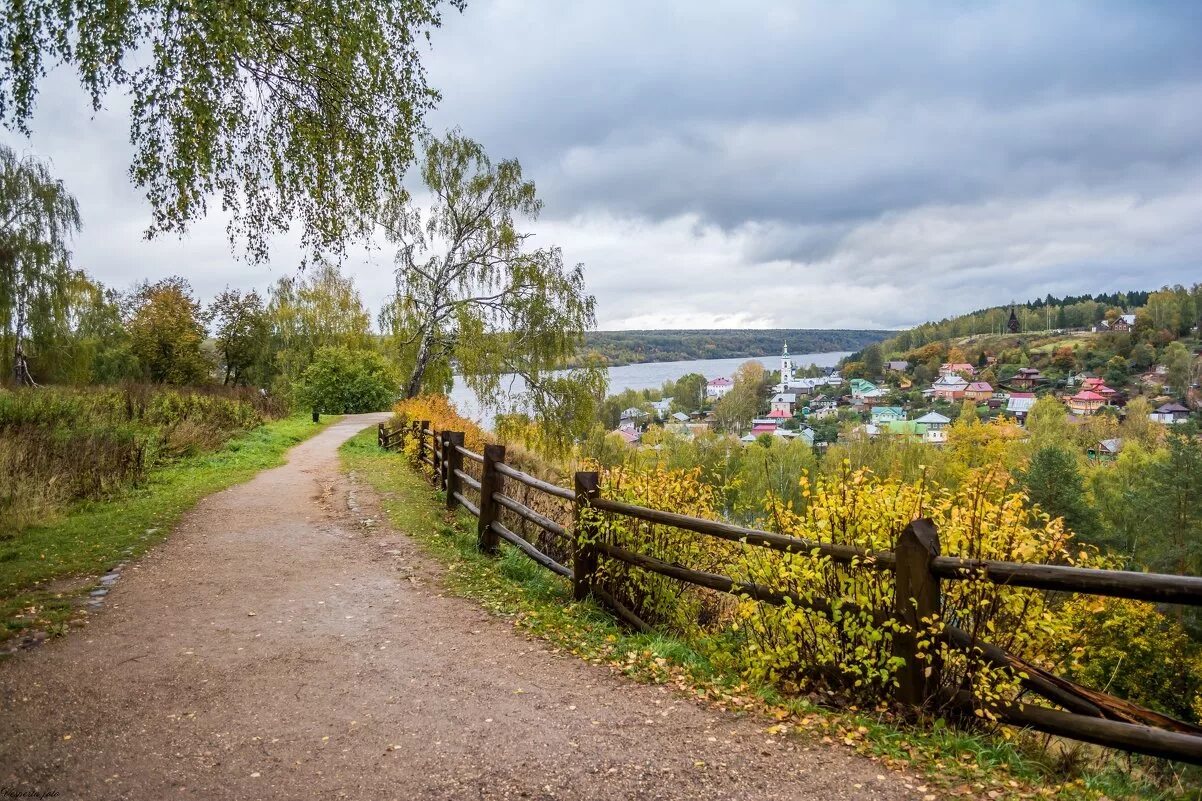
862,389
1099,386
1170,414
1019,404
957,368
979,391
822,411
785,402
662,408
762,427
887,414
1125,322
779,415
868,430
1026,378
718,387
949,388
1105,451
933,427
902,429
1085,403
897,366
629,435
632,417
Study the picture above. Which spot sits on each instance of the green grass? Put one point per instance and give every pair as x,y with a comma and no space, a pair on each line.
947,760
91,537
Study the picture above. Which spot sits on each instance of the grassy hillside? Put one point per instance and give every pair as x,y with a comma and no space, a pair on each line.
632,347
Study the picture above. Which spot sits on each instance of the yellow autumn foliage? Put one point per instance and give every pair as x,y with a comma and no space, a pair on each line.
1126,647
443,416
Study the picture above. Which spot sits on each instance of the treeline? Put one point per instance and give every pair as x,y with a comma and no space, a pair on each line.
634,347
162,334
1171,307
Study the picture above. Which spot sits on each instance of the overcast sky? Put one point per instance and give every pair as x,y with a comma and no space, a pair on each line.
815,165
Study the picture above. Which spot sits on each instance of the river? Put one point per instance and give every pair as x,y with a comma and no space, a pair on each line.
649,375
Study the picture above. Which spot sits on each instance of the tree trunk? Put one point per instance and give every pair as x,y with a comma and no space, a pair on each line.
414,387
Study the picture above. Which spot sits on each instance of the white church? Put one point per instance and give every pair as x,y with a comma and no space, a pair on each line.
790,383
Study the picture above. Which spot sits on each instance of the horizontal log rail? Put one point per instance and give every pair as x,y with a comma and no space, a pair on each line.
528,549
1133,737
1155,587
1090,716
466,454
467,504
536,483
623,611
842,554
716,581
522,510
467,478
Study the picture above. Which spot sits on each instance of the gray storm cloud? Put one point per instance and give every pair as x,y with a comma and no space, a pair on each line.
781,164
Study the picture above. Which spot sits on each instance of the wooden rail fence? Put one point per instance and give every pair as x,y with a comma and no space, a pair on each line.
918,567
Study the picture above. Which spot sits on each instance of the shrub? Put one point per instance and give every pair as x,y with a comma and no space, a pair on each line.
58,445
658,599
443,416
984,518
340,380
1134,651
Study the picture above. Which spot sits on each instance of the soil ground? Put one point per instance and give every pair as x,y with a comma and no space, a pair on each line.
276,647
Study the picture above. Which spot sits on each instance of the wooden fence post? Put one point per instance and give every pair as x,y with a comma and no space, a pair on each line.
436,445
584,560
452,460
421,443
380,435
916,598
490,482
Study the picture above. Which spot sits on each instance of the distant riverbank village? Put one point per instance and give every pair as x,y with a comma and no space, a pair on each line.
920,400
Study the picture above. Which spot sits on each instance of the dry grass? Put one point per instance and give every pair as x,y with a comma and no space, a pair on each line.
60,446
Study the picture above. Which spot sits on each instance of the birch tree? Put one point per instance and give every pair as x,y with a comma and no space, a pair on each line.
471,291
38,218
282,110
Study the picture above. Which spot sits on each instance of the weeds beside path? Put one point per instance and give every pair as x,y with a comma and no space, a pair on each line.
45,568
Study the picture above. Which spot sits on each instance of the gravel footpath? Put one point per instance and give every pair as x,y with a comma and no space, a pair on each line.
269,649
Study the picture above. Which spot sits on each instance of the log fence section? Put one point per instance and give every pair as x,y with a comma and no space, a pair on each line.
918,567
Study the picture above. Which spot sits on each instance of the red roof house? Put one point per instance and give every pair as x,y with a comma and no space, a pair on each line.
1086,402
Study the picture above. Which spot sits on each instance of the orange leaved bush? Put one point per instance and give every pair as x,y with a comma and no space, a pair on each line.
440,411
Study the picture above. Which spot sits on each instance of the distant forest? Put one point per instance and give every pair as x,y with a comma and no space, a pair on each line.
632,347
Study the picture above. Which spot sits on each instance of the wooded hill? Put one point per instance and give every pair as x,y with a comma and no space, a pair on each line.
632,347
1173,308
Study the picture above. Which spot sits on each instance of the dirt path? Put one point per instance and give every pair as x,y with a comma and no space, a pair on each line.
270,648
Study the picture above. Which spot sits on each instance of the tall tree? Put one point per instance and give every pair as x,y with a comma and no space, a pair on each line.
737,407
470,291
1178,362
286,110
315,309
167,331
1053,482
38,217
1177,481
241,331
